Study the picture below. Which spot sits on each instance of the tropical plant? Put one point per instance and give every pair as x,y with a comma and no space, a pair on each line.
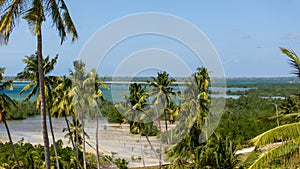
35,13
172,112
224,154
30,72
76,132
137,104
287,135
289,106
84,96
193,110
121,163
163,91
98,94
293,61
63,107
6,103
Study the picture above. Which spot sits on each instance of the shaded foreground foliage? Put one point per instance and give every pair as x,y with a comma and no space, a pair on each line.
32,156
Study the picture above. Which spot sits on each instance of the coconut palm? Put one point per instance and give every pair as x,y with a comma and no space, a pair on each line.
84,96
5,106
62,106
293,60
287,134
75,127
35,13
172,111
162,88
137,103
138,113
288,106
98,94
30,72
193,109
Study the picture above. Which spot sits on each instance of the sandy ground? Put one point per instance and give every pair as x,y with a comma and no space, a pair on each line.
113,139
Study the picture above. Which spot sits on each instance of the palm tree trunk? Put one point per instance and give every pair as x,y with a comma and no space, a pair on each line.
142,152
149,142
72,141
97,142
83,143
43,100
76,140
166,123
160,144
164,103
11,142
53,139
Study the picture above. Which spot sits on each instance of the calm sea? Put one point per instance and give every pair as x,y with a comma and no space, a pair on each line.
118,89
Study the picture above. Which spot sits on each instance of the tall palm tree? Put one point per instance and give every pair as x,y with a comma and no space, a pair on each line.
35,13
138,113
162,88
30,72
287,134
193,109
84,95
63,107
5,106
136,102
98,94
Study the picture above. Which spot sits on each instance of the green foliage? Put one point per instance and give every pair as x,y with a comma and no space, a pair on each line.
195,106
110,111
293,60
121,163
32,156
23,111
246,117
216,153
274,89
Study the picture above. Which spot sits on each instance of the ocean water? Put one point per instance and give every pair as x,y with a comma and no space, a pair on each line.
116,91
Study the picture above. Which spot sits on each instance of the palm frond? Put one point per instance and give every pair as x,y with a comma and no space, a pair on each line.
9,18
284,149
293,61
28,86
7,85
31,93
68,23
35,16
280,133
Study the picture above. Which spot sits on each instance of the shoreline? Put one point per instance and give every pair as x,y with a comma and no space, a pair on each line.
114,139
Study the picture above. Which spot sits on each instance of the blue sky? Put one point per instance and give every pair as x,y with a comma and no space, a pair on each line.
246,34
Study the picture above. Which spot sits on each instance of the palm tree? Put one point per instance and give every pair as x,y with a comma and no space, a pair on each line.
163,91
293,60
5,106
98,95
136,102
35,13
63,107
193,110
30,72
172,111
287,134
76,130
84,95
138,113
